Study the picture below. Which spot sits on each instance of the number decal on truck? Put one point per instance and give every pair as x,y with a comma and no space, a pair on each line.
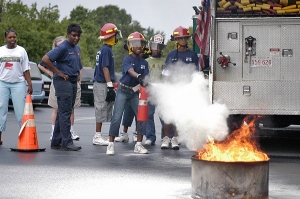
261,61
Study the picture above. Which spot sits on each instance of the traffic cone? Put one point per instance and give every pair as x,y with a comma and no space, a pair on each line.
28,140
143,105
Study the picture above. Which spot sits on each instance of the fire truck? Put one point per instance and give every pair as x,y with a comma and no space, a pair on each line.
254,60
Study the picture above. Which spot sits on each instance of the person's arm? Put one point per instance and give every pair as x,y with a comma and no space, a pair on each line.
45,70
28,79
79,76
132,73
50,65
107,77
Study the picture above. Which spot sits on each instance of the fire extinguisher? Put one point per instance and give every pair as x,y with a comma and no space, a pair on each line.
143,105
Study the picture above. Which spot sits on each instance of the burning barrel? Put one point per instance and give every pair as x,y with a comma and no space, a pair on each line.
222,180
234,168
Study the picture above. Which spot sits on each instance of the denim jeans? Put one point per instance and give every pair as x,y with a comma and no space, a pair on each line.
128,115
18,95
65,92
150,128
125,95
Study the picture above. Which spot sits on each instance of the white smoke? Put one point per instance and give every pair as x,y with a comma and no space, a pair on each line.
183,99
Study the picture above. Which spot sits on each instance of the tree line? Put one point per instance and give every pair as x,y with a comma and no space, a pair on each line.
37,28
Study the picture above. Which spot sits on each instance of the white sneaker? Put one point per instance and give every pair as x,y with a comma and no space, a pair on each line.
140,149
110,149
51,135
134,137
165,143
74,136
122,138
149,142
174,143
98,139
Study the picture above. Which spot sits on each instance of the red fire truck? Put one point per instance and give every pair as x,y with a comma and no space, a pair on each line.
254,59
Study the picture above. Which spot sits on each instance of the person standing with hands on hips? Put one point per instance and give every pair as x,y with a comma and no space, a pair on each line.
52,101
134,70
103,89
66,74
14,71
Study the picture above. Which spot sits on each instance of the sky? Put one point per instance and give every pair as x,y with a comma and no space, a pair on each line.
161,15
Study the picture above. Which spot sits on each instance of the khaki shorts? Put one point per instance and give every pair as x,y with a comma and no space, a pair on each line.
52,100
103,109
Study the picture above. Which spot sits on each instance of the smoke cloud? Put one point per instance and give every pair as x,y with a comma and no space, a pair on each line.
182,99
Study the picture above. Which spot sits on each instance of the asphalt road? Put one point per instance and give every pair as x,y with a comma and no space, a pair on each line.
90,173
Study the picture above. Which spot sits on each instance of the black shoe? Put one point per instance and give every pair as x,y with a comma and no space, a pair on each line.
71,148
57,147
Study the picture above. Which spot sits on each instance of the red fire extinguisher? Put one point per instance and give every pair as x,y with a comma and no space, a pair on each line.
143,105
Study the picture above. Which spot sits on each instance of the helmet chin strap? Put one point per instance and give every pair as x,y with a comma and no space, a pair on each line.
137,54
178,45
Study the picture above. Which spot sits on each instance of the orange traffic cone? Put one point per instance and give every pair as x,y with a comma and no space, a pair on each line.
28,140
143,105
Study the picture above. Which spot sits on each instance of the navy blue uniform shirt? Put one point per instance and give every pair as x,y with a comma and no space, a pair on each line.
188,57
105,58
67,58
139,65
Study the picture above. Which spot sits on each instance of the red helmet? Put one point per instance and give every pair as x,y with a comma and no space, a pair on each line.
109,30
181,32
136,39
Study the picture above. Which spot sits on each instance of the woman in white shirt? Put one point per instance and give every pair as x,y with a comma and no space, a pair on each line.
14,71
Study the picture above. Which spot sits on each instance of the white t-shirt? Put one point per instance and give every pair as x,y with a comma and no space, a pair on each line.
13,62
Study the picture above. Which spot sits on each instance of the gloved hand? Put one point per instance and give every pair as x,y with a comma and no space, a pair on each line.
111,94
142,80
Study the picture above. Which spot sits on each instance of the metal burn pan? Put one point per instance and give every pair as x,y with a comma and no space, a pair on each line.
234,180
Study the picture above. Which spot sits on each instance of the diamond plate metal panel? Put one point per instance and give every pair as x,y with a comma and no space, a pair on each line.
290,66
265,98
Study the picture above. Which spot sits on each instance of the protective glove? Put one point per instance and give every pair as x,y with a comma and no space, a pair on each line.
142,80
111,94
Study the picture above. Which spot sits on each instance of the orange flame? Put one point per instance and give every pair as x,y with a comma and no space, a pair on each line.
239,147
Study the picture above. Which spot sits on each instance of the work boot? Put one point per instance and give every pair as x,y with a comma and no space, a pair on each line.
71,147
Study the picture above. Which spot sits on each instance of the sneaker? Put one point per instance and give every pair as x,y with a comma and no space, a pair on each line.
74,136
71,147
134,137
110,149
140,149
100,140
165,143
122,138
174,143
51,135
149,142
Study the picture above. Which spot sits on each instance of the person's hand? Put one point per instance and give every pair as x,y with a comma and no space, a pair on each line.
111,94
142,80
64,76
29,90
